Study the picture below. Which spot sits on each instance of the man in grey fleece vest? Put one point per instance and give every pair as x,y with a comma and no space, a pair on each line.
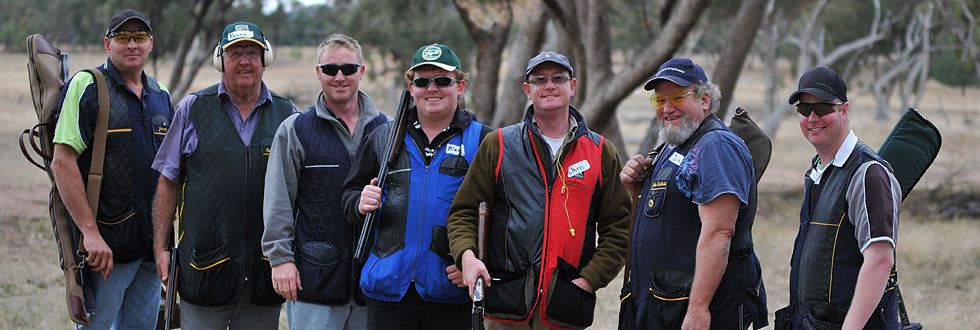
298,230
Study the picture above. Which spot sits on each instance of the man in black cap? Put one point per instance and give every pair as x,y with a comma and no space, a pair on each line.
551,187
843,266
217,155
691,260
120,287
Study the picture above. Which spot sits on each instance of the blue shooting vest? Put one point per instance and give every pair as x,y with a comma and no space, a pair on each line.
416,203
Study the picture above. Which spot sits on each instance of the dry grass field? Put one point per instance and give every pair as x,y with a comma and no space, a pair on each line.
938,254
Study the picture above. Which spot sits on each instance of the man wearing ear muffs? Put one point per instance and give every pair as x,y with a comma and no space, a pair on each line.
213,170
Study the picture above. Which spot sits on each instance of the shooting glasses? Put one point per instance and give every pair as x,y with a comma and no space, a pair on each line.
822,109
346,68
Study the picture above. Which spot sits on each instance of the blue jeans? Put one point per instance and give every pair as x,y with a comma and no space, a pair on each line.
129,299
304,315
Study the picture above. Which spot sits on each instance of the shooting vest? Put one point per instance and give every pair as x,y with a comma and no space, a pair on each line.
128,181
324,240
220,205
665,237
411,229
542,230
826,256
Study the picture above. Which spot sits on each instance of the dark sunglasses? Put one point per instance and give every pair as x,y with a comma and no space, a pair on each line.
441,81
347,68
822,109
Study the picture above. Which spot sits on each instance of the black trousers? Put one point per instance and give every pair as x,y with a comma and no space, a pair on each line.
414,313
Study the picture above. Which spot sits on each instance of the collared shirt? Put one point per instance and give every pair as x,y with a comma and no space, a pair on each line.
839,158
555,151
174,146
76,119
429,149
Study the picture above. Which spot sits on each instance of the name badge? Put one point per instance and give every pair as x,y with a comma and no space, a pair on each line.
676,158
577,170
454,150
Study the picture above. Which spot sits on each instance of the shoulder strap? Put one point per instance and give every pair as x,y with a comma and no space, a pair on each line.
655,155
94,183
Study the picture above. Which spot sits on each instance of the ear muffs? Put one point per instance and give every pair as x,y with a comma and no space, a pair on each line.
267,57
216,59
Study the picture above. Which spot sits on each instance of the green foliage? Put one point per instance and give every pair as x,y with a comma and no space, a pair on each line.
947,68
399,28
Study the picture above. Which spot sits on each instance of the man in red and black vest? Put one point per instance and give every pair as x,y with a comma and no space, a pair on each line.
551,185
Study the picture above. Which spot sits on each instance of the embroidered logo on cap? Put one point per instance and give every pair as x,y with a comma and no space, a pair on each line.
431,53
241,31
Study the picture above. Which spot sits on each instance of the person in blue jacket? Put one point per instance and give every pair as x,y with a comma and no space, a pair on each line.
409,279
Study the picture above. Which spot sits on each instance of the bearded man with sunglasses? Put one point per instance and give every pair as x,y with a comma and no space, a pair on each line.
307,240
843,268
550,184
409,279
692,265
217,156
120,287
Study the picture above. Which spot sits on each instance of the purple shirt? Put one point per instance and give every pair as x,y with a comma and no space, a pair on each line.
167,161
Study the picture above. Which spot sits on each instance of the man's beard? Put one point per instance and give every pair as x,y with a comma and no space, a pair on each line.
675,136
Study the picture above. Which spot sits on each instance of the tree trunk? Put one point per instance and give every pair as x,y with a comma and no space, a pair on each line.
197,9
531,22
488,24
736,49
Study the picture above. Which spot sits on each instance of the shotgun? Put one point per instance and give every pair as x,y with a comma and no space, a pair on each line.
168,305
481,246
392,147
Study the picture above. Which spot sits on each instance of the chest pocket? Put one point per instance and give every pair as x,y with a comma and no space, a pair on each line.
454,166
159,124
658,192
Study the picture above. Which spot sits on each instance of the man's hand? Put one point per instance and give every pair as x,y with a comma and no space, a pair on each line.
697,319
633,172
582,283
472,269
370,198
285,280
163,265
99,254
455,276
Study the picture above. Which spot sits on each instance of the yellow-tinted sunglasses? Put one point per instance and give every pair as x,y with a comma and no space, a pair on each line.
676,98
123,37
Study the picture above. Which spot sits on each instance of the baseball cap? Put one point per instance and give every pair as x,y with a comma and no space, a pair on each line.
242,31
822,82
438,55
119,18
681,71
549,57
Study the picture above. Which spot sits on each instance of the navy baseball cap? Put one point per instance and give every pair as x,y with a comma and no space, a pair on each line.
119,18
822,82
681,71
549,57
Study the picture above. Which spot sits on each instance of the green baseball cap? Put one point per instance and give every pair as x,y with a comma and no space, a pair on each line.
438,55
242,31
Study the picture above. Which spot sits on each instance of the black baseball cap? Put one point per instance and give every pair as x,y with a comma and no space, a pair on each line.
822,82
119,18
